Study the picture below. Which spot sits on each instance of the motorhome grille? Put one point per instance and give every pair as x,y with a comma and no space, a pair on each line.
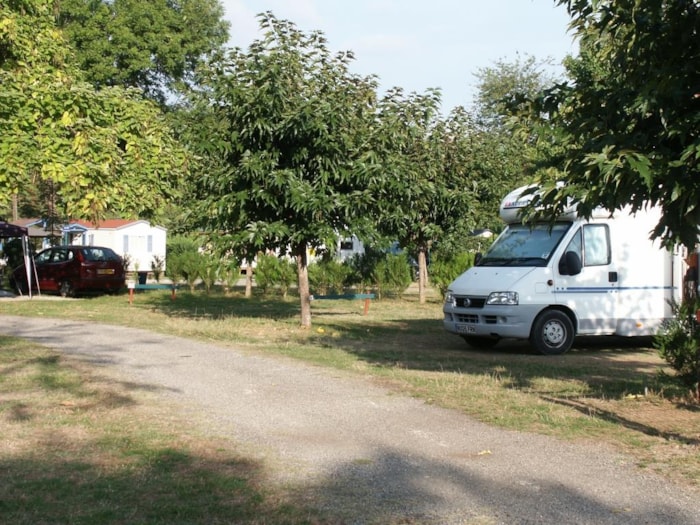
467,318
470,302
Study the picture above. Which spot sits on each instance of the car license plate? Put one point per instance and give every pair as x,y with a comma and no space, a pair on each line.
105,271
465,328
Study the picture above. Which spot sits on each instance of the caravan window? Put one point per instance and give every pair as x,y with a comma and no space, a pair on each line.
596,245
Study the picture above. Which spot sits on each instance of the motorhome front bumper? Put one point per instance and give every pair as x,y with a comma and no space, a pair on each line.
491,321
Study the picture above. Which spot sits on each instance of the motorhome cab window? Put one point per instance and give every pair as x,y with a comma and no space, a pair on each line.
594,248
522,245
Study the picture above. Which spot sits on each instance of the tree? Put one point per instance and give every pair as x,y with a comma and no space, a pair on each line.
503,85
629,118
154,46
288,143
426,190
99,151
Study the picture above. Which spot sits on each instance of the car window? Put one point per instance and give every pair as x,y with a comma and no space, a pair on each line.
99,254
43,257
59,255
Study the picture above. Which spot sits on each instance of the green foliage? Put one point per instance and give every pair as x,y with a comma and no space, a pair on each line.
193,266
157,265
445,269
678,342
362,266
209,271
501,86
287,145
185,262
433,184
94,152
392,274
154,46
328,276
274,273
628,120
229,272
178,244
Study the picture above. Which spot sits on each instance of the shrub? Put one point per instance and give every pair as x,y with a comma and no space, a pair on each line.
328,276
181,253
157,265
273,272
444,270
678,342
361,267
392,274
178,244
230,272
186,266
209,270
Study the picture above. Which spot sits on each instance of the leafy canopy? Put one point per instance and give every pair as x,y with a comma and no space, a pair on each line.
288,147
154,45
102,151
629,119
289,134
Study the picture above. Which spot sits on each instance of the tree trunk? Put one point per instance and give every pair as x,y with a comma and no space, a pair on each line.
422,276
303,276
249,280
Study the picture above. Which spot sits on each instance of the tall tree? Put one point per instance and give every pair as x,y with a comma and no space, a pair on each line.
154,46
502,85
99,151
629,119
289,135
426,190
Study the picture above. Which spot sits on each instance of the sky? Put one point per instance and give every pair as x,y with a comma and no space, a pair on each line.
421,44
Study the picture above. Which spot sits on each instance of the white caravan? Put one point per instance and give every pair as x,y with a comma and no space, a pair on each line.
550,282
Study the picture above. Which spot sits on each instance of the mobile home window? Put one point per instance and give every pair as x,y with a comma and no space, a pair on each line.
596,245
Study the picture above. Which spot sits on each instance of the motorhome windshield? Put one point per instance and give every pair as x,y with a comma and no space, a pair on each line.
523,245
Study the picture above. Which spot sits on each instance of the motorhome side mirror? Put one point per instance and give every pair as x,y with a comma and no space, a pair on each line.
570,264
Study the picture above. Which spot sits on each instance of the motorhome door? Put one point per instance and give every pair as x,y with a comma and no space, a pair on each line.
587,279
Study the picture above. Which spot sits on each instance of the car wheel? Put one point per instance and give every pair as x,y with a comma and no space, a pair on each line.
66,289
483,343
552,333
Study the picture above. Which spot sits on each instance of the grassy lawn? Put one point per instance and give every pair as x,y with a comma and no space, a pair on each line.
613,391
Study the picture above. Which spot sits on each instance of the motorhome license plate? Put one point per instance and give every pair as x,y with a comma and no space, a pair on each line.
465,329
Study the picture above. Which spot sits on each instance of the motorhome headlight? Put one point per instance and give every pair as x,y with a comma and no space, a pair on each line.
505,298
450,299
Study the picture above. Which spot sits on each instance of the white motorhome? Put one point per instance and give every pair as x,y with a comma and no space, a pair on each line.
548,283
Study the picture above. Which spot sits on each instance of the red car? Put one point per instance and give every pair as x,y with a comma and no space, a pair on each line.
72,270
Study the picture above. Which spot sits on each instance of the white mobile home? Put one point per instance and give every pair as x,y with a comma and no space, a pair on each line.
137,240
547,283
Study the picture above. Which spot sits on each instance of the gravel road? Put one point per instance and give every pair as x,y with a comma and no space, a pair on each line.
370,455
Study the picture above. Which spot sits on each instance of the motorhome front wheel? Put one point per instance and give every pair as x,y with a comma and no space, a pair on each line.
552,333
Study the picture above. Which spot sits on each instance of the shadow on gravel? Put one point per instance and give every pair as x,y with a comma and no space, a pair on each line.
478,488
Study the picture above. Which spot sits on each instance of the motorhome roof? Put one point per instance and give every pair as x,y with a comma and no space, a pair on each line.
516,200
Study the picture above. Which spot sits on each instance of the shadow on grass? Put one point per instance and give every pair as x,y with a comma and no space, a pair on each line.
163,486
219,306
171,487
